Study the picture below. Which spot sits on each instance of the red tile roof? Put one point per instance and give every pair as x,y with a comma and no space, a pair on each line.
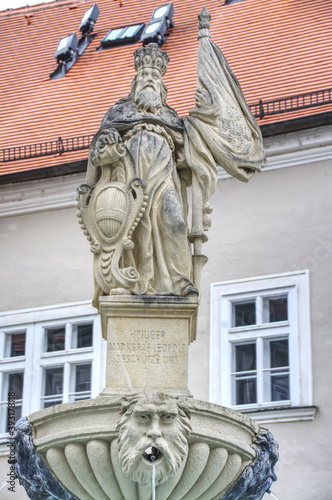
276,48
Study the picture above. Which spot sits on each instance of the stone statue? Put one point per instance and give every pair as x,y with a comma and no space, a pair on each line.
152,428
133,207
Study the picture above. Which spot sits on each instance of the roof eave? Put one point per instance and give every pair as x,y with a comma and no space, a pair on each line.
45,172
295,124
268,130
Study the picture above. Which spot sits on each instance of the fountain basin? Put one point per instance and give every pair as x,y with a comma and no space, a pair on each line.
79,443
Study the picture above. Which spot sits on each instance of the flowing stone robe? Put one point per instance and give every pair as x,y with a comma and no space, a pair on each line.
161,253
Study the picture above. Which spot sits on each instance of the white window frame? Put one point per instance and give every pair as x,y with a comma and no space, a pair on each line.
296,328
35,360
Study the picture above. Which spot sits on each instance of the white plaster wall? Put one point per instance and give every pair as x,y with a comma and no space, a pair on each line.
47,260
280,221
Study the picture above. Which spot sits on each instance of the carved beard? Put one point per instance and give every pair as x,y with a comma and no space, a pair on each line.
148,101
139,470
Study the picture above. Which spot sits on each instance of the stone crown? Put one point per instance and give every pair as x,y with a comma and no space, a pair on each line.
151,56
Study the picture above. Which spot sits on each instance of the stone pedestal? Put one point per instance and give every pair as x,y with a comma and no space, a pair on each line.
147,342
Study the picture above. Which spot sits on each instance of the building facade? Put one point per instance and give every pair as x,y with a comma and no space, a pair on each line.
263,343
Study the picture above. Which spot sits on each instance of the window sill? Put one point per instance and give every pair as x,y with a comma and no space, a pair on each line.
9,359
78,350
282,414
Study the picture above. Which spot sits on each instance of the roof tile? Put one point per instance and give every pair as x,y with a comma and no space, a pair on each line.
276,49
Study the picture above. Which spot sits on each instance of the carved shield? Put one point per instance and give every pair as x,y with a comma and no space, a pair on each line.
112,210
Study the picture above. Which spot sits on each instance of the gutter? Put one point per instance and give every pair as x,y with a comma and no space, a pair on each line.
45,172
268,130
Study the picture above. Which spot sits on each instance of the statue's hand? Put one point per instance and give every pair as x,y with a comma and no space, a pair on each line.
202,99
109,148
110,136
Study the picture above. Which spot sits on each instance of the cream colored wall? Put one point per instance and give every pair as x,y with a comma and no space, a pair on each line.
280,221
47,258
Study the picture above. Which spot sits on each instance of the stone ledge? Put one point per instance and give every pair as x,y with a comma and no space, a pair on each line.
210,423
282,414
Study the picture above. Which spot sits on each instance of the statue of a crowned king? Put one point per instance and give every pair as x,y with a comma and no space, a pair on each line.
133,207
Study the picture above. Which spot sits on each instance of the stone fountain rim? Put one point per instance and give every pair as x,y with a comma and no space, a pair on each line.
105,402
96,419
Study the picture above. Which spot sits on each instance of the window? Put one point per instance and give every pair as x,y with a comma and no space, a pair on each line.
48,357
82,335
64,345
13,351
15,344
53,386
260,343
122,36
81,382
260,371
55,339
260,367
12,383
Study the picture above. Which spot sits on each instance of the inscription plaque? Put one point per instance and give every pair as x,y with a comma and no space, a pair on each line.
147,343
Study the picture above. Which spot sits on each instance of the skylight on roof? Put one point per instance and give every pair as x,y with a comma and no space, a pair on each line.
131,31
123,35
112,35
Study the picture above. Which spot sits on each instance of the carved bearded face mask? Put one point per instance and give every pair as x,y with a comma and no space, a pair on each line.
152,428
